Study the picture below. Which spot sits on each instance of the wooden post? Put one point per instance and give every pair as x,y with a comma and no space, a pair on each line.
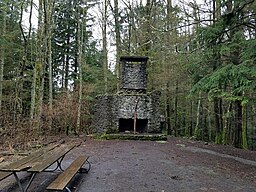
135,116
134,125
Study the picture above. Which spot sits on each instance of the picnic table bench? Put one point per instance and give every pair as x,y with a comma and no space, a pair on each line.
64,178
40,161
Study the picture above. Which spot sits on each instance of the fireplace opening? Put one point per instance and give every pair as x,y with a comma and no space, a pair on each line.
128,125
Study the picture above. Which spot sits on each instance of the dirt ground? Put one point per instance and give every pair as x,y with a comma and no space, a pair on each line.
150,166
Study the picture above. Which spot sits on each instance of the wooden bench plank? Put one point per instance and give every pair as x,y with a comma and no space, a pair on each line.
15,165
37,159
20,162
64,178
49,158
3,175
29,164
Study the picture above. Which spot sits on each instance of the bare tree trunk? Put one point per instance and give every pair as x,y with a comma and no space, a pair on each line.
217,102
42,74
104,46
2,62
147,44
217,105
168,109
209,124
244,126
238,124
33,88
49,57
130,21
197,130
235,57
33,93
176,109
23,62
67,66
39,61
41,95
44,56
80,35
118,40
225,126
132,31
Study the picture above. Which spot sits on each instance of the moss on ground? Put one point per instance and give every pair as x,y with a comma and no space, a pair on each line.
142,137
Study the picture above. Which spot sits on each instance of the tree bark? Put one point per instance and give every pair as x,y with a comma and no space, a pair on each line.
197,129
168,109
235,57
244,126
209,124
226,125
218,120
33,92
118,40
67,65
38,61
67,54
33,64
147,43
43,60
2,62
217,102
104,46
176,109
238,124
23,62
49,58
40,49
80,35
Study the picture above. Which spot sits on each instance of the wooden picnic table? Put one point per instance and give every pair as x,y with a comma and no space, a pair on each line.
38,162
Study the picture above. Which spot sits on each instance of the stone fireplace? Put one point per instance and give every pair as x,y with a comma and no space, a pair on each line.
132,108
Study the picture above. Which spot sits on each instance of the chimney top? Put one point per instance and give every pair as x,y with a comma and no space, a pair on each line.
134,58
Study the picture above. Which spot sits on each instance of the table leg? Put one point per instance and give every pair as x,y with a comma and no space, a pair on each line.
59,161
85,170
30,181
67,189
18,181
88,162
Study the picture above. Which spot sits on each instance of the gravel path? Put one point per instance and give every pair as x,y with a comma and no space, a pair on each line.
149,166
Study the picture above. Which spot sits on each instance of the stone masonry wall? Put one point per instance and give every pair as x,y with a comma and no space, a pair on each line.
133,76
102,119
109,109
155,112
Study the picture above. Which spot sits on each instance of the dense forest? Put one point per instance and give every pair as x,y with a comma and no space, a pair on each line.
202,59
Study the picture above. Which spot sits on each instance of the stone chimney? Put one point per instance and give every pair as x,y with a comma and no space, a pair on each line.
133,74
132,106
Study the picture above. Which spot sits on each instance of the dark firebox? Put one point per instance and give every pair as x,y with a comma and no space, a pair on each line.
132,108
